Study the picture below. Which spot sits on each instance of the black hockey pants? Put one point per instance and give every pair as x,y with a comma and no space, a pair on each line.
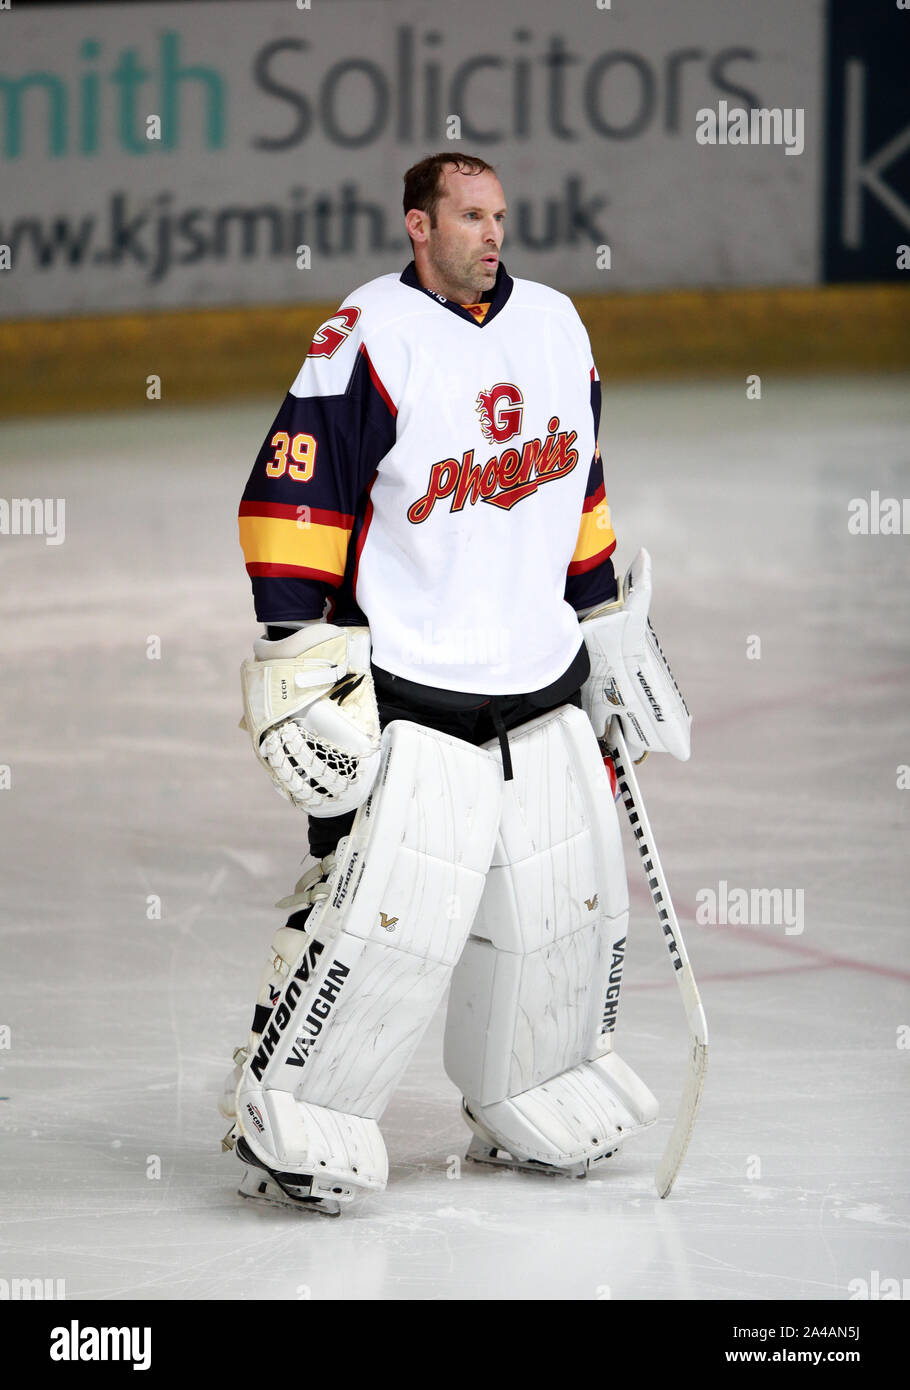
475,718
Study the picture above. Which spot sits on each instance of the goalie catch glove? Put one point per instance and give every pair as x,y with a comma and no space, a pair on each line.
630,676
310,709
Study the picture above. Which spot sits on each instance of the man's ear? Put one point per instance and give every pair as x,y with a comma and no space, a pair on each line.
417,224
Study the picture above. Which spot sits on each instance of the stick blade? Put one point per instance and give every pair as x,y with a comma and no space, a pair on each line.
678,1143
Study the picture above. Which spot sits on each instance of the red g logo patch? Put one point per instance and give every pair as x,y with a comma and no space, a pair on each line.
333,332
500,410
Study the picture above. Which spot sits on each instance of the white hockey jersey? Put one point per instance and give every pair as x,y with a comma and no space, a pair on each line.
434,472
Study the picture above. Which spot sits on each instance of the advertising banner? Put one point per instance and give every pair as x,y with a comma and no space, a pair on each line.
173,155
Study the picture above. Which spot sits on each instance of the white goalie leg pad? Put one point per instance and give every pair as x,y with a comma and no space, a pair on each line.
534,998
377,956
287,944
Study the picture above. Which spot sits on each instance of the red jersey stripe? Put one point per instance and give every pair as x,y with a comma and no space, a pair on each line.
368,517
374,377
261,570
595,499
318,516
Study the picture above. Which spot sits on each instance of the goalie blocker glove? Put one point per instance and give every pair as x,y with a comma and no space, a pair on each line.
310,709
630,676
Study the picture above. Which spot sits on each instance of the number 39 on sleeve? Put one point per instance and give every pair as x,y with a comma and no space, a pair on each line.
302,449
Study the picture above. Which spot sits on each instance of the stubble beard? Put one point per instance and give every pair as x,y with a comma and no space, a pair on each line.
455,277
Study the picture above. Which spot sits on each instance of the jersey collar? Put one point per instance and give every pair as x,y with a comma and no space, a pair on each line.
497,297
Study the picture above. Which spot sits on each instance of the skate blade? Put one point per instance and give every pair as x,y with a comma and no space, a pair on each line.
255,1186
295,1191
481,1151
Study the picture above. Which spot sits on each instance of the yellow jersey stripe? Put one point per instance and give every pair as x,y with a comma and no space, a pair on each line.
269,540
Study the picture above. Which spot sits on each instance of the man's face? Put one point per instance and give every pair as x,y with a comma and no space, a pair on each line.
460,255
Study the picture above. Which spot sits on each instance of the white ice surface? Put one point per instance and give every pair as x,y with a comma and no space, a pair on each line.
129,778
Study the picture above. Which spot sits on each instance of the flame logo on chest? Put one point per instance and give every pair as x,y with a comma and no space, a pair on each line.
500,410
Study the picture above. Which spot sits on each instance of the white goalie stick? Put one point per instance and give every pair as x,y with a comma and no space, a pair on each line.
671,1162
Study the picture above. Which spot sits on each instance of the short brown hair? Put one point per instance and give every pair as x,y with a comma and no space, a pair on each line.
422,182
